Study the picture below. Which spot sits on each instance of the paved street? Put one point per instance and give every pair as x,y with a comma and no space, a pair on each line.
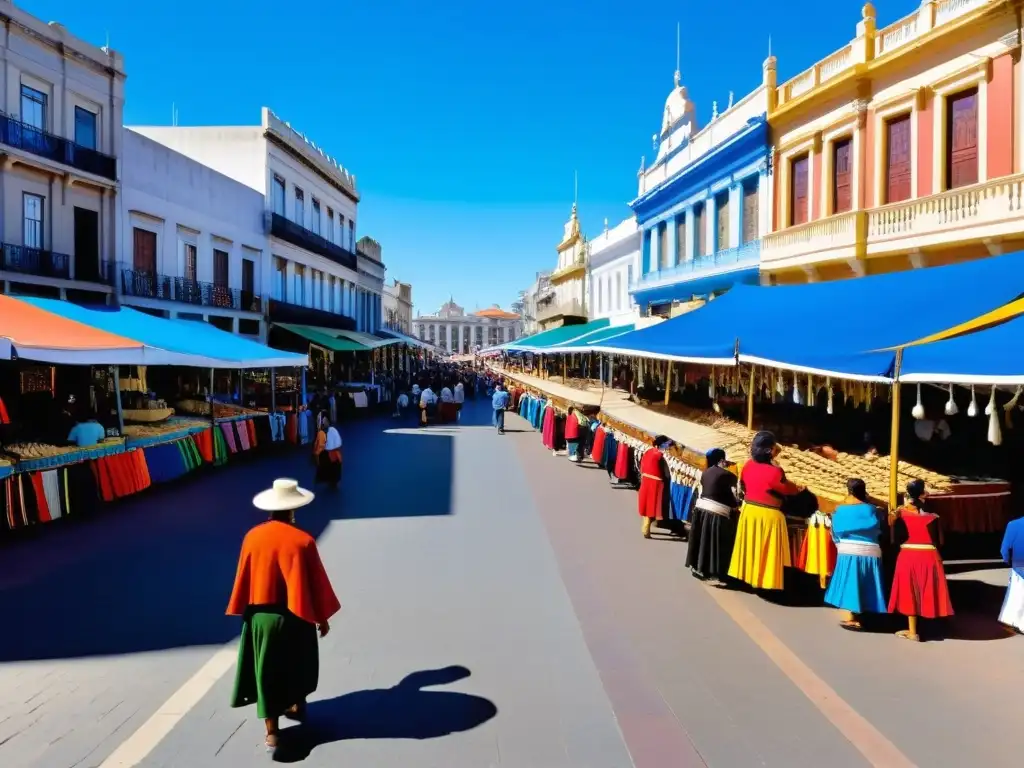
499,609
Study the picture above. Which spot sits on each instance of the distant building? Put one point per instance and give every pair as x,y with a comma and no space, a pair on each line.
456,332
614,265
398,307
529,300
566,303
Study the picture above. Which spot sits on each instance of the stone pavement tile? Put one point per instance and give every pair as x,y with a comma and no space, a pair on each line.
735,705
478,588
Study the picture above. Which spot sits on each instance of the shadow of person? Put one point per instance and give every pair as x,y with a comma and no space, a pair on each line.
405,711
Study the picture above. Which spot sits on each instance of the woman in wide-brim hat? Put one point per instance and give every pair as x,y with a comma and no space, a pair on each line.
284,596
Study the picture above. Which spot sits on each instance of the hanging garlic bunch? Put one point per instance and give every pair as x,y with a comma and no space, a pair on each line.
972,409
780,385
829,409
995,433
811,393
951,407
918,412
711,384
870,390
797,399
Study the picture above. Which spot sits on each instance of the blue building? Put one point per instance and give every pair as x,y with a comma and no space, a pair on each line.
705,202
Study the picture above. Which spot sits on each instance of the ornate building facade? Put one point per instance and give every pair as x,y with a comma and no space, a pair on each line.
901,149
397,307
566,302
455,332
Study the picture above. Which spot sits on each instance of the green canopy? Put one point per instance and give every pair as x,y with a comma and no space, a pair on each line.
581,343
558,337
328,338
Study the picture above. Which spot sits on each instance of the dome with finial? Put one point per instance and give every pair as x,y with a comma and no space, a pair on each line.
678,109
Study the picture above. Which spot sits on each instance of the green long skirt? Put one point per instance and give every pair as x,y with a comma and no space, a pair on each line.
278,661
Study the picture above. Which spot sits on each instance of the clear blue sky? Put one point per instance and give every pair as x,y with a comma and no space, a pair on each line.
463,119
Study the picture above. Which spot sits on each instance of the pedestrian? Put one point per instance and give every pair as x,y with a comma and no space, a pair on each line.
284,597
653,500
713,525
327,453
460,398
572,434
499,402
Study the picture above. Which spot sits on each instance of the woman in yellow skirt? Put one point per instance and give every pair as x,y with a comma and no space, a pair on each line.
762,539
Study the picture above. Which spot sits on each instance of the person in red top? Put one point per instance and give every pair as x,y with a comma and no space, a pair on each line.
653,500
919,585
762,538
284,596
572,435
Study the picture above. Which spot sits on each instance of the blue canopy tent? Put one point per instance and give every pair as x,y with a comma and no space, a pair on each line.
844,328
189,342
992,356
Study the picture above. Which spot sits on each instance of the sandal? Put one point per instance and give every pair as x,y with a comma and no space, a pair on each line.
906,635
852,624
272,741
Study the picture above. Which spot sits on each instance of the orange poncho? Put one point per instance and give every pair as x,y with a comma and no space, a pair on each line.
280,565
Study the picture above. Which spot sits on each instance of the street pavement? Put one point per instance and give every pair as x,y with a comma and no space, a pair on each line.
499,608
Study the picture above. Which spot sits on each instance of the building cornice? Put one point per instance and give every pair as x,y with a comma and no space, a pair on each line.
55,35
303,150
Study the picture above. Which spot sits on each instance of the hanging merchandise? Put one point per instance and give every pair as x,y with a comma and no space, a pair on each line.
1008,408
918,412
811,393
870,389
828,386
951,407
995,433
780,386
972,409
991,407
797,399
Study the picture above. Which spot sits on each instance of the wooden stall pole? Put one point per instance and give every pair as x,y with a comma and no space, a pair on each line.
750,400
894,442
668,381
117,399
565,369
213,420
273,390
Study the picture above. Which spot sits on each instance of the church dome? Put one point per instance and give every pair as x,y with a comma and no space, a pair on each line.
678,109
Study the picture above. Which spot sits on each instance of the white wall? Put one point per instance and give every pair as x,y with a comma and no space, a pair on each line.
182,200
238,152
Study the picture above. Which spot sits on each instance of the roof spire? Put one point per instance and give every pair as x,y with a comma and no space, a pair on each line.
678,75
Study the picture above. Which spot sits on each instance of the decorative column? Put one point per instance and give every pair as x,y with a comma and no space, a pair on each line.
655,248
448,334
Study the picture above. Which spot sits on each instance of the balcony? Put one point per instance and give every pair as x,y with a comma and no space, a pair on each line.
34,261
830,239
979,212
19,135
725,260
149,285
576,269
572,308
301,237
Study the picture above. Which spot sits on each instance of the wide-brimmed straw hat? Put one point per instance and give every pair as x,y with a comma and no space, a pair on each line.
284,495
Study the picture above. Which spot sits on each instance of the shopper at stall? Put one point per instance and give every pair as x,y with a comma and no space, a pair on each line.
856,585
762,539
499,402
460,398
327,453
572,434
919,586
713,525
284,596
86,433
1012,550
428,405
653,499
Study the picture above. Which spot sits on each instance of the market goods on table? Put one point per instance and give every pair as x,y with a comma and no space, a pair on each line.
220,410
29,451
163,428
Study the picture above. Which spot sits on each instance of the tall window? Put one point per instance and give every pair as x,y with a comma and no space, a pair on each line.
330,224
751,211
191,262
280,288
962,139
702,230
842,186
316,216
341,230
249,277
682,254
32,220
600,294
629,277
300,208
798,202
722,209
897,159
618,290
663,254
277,195
300,279
144,251
33,107
85,128
221,259
351,235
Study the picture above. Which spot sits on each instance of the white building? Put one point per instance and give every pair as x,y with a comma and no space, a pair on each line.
60,134
397,308
530,299
191,241
566,303
614,262
315,274
455,332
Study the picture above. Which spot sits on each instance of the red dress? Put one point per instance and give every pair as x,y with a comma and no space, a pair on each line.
919,586
651,501
572,427
597,449
548,428
622,462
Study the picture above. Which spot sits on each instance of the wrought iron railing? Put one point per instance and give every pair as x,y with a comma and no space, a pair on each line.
27,137
143,283
298,235
34,261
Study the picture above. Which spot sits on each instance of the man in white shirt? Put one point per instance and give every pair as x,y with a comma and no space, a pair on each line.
428,404
460,398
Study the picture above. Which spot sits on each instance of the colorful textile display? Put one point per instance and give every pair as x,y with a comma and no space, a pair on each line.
28,498
122,474
171,461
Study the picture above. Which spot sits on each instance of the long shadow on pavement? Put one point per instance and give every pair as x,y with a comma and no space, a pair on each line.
155,571
405,711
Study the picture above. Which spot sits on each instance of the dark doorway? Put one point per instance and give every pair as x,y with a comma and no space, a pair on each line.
87,245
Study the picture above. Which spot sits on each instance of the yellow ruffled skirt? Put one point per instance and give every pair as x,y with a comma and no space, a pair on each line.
762,547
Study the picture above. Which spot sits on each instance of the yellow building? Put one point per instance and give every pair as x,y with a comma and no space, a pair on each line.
566,302
901,149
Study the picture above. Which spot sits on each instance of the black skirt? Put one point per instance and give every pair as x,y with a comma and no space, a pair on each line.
711,541
327,471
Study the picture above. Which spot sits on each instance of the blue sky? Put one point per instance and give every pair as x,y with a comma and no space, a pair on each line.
464,120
